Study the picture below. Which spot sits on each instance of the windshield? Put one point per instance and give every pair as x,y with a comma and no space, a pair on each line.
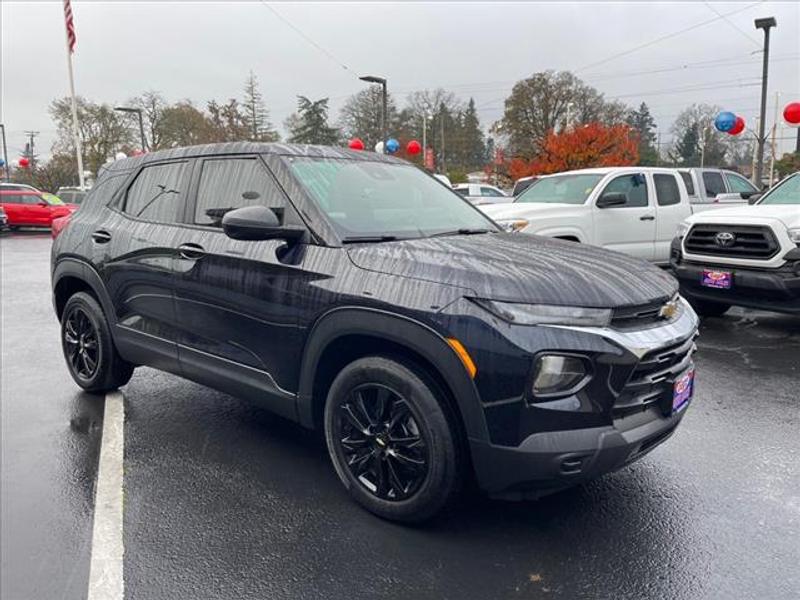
375,199
52,199
561,189
786,192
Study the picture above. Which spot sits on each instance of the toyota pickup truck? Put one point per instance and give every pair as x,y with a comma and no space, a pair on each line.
635,210
745,256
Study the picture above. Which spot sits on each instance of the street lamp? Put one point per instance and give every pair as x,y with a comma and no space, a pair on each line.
425,118
766,24
138,111
382,82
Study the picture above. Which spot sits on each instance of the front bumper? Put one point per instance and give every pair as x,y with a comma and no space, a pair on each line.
636,416
765,289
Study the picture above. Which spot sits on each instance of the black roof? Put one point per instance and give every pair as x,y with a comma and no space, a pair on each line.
251,148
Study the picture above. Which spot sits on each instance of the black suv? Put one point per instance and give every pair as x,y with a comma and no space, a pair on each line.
353,293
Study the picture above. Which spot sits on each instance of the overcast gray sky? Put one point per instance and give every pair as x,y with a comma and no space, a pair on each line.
204,50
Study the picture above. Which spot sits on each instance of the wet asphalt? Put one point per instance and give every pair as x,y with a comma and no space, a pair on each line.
224,500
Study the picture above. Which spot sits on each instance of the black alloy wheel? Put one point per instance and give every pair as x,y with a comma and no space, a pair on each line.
382,443
81,343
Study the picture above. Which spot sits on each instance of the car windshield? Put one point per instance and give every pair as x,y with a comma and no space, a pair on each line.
51,199
561,189
384,201
786,192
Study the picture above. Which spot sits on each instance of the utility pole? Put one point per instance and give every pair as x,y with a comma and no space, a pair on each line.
774,135
5,152
658,148
766,24
703,147
31,148
441,126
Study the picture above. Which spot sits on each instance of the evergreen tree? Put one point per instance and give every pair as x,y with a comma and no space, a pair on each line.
687,147
472,141
256,116
642,122
309,125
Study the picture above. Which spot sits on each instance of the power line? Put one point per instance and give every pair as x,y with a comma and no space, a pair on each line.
732,24
665,37
307,38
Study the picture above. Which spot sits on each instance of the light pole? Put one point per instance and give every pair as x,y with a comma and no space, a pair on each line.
425,118
138,111
766,24
382,82
5,151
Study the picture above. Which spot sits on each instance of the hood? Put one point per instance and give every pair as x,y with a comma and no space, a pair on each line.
522,268
788,214
517,210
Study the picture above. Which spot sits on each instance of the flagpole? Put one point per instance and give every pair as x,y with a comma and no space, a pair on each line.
76,137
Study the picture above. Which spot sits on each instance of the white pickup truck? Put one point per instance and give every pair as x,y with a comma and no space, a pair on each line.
635,210
746,256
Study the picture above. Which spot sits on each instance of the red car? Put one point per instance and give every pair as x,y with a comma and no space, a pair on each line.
33,209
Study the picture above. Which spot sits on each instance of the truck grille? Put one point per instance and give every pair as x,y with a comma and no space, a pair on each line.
735,241
651,382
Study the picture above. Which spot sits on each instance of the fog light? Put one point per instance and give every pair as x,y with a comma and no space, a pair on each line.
559,375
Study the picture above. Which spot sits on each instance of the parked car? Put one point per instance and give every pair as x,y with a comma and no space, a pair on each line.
17,187
32,209
717,186
481,193
352,293
744,256
635,210
522,184
444,179
72,195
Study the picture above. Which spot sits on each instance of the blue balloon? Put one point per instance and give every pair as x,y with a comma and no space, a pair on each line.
725,121
2,162
392,145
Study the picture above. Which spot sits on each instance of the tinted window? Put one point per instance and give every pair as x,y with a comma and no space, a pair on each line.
714,184
739,184
364,198
667,190
231,183
487,191
20,198
462,191
521,186
157,193
633,186
688,182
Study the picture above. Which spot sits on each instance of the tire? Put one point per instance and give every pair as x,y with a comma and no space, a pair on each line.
418,454
706,308
92,358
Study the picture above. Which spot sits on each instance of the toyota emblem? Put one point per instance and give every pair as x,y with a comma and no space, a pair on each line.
724,239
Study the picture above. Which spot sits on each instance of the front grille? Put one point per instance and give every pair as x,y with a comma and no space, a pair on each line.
651,382
748,241
638,316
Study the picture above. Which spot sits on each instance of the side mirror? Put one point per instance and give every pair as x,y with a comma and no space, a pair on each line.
254,223
747,195
754,198
42,203
612,199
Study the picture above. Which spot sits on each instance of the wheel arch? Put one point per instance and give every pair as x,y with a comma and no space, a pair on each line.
346,334
70,276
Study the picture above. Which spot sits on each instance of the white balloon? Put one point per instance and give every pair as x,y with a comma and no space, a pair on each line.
379,147
120,156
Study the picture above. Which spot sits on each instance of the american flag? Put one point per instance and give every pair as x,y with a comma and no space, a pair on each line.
70,25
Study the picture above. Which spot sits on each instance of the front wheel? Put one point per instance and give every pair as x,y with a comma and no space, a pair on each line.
91,356
391,440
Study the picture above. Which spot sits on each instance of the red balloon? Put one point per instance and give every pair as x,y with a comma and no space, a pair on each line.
356,144
24,162
413,147
738,126
791,114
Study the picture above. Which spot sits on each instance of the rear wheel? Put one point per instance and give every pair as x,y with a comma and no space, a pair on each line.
706,308
390,439
92,359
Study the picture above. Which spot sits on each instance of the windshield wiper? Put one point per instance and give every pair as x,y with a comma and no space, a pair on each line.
365,239
462,231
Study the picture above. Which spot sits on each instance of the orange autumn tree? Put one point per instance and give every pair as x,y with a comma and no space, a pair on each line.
585,146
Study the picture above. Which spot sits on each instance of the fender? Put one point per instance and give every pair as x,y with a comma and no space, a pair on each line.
404,331
558,232
73,267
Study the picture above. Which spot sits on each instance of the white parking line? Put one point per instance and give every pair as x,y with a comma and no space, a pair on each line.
105,570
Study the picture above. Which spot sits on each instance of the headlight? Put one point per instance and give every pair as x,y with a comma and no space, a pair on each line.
512,225
558,374
546,314
683,229
794,235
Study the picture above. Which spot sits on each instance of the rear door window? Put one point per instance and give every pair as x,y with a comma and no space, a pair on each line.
667,190
491,193
739,184
229,183
713,183
688,182
157,194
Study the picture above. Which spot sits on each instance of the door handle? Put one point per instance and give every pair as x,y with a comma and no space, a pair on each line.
191,251
101,236
647,218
